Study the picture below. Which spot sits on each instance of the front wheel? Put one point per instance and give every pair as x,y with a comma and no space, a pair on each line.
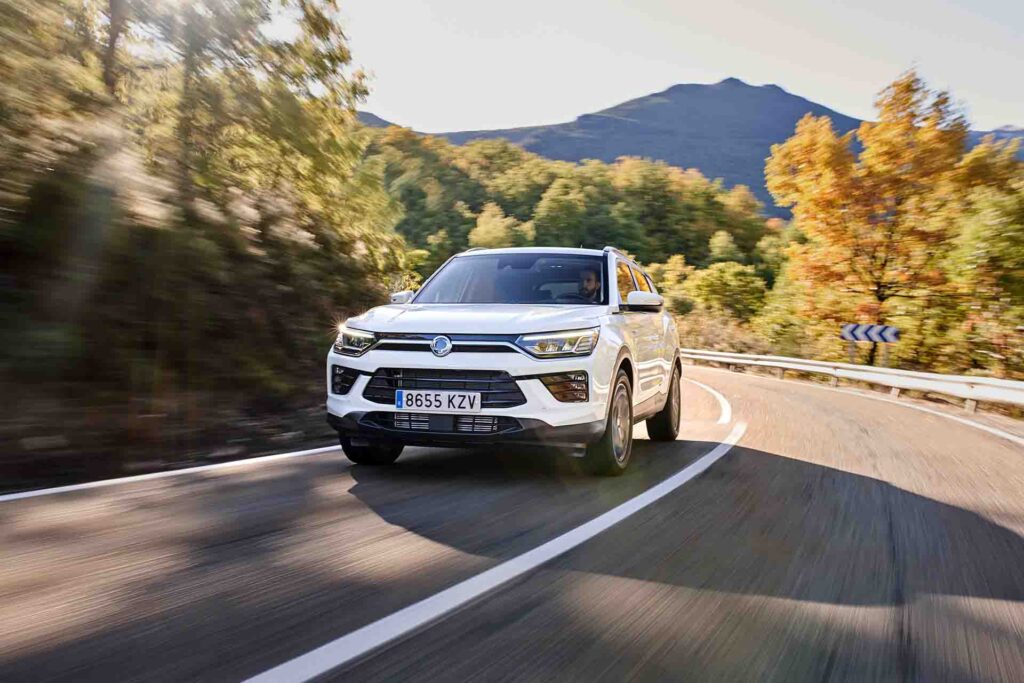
372,453
610,455
664,426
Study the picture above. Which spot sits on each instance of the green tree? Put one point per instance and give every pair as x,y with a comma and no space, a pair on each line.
210,196
670,279
987,269
494,229
729,288
722,247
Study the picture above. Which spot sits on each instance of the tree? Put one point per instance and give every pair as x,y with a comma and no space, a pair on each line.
987,269
728,287
494,230
670,279
869,216
221,206
583,209
722,247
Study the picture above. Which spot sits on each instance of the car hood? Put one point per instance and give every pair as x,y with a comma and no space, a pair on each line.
477,318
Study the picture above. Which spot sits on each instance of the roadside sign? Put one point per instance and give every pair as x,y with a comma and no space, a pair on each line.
885,334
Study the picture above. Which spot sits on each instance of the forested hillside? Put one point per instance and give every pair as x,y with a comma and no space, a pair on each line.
724,129
491,193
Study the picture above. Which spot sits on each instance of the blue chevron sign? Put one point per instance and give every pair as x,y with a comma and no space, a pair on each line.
885,334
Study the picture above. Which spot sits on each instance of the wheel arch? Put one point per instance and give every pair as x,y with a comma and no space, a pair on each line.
625,362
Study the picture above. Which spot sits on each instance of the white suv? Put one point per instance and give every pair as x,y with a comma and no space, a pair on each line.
555,347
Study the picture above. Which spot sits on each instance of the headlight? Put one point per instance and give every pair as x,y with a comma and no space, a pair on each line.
352,342
560,344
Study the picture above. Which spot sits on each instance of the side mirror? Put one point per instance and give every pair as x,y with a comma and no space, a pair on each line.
644,301
402,297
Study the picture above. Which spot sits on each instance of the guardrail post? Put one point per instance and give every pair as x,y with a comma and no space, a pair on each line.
833,381
780,373
970,405
895,392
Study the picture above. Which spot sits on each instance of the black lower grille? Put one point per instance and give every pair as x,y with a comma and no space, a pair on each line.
497,389
436,423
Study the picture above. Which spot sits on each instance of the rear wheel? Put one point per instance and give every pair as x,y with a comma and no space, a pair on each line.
610,456
372,453
664,426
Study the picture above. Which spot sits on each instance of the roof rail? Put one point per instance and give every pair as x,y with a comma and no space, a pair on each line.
614,249
466,251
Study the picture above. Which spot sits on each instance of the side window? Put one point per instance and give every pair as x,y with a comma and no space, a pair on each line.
641,281
625,280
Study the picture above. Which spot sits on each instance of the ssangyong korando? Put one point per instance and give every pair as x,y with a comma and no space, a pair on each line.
556,347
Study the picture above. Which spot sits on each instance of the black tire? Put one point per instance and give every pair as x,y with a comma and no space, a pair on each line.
664,426
610,456
371,454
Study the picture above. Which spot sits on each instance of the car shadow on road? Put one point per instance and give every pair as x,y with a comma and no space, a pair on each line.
784,569
783,527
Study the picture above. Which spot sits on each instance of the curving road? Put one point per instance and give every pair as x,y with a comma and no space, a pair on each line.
831,537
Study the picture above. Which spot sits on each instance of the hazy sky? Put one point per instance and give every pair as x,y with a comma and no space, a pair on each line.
443,65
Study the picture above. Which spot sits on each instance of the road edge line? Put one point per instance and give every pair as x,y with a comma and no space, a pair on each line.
36,493
995,431
724,407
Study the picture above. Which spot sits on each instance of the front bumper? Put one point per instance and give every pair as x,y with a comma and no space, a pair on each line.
542,419
529,432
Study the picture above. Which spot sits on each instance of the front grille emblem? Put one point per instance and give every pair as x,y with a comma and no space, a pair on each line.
441,346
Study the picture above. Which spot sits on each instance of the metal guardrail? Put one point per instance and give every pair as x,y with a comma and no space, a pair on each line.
972,389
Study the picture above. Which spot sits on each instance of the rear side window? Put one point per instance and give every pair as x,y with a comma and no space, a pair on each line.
625,280
641,281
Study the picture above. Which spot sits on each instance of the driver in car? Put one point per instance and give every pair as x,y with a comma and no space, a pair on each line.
589,287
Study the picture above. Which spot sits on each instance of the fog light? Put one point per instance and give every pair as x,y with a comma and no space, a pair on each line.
342,379
568,387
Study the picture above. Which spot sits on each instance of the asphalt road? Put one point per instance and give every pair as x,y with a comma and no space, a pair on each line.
841,538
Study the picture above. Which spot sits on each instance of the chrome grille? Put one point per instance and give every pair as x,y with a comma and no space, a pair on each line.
416,421
476,424
437,423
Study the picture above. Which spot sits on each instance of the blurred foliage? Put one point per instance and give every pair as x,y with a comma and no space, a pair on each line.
670,279
186,202
722,247
727,287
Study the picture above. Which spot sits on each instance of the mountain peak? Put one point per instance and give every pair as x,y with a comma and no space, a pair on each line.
732,81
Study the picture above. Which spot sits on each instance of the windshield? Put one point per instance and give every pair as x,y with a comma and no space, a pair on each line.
518,279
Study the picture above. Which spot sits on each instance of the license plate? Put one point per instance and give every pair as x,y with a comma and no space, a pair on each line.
422,401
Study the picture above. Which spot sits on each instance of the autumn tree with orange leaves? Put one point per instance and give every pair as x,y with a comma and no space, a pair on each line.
880,220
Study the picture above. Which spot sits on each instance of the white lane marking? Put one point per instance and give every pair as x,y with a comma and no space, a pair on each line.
905,404
724,408
158,475
397,624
